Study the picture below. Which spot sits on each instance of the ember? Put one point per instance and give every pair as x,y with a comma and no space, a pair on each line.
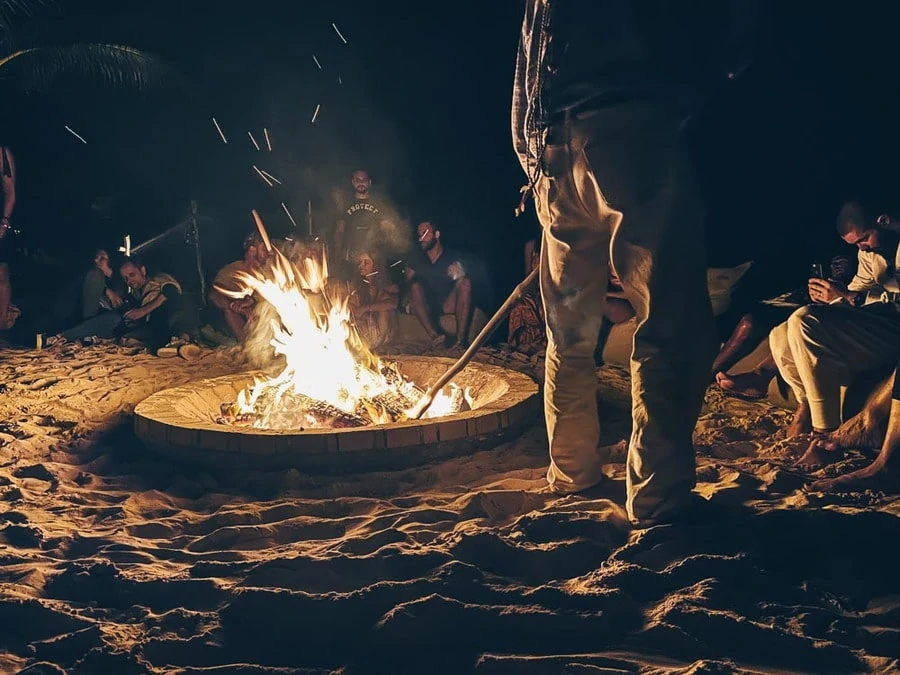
330,378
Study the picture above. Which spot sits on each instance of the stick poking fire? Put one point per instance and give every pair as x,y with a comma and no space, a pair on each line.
330,378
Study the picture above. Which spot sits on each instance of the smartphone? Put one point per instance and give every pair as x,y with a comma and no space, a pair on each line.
816,271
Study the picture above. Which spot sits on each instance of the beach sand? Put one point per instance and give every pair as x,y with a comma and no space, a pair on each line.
113,560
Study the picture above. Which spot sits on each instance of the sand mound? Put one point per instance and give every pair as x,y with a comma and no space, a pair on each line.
116,561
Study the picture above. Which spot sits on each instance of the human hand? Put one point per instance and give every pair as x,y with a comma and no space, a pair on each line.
134,314
114,298
824,290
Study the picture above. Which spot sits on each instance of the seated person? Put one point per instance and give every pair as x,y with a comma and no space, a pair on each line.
852,329
163,314
236,313
93,303
442,281
753,329
373,302
8,311
527,328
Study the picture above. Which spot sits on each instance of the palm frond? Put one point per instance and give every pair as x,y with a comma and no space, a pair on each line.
38,68
11,9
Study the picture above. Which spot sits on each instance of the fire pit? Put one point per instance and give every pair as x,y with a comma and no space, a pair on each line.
181,423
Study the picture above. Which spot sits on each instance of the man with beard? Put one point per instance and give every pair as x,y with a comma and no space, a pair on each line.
857,328
364,221
603,89
236,313
440,283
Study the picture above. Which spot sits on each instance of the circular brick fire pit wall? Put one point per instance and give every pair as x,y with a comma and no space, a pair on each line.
180,423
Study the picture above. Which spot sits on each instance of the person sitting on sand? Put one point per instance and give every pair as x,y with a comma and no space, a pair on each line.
93,303
236,313
8,311
527,328
444,281
373,302
164,317
754,328
853,329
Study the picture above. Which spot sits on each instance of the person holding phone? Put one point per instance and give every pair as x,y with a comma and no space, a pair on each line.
851,329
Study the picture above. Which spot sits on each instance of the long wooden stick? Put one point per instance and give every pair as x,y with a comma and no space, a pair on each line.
425,402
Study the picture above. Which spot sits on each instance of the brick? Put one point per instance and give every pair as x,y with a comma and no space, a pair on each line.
487,424
401,437
452,429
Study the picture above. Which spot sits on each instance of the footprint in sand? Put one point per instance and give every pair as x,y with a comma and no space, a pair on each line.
38,471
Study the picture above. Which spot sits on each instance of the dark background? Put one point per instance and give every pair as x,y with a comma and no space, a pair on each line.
423,102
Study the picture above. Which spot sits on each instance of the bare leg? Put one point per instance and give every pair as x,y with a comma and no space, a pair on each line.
860,431
882,468
743,340
5,296
235,321
754,384
463,311
802,422
420,308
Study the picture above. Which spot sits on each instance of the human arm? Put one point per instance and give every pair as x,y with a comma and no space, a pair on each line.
92,290
388,300
8,178
168,291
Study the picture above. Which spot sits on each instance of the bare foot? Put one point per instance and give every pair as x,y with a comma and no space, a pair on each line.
860,431
802,422
876,474
748,385
822,450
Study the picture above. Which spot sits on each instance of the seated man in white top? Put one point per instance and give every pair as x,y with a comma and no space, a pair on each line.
857,328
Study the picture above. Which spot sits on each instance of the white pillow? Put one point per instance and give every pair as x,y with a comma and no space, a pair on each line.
720,281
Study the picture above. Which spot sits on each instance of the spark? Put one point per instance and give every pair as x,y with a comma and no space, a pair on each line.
367,281
340,81
262,175
338,31
371,274
317,62
126,249
284,206
71,131
219,129
425,234
316,113
270,176
255,144
268,140
396,263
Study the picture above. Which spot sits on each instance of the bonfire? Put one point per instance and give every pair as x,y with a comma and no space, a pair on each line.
330,379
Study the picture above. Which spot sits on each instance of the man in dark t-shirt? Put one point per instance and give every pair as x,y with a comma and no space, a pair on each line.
442,281
364,221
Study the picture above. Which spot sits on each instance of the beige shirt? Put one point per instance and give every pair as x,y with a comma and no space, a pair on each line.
874,276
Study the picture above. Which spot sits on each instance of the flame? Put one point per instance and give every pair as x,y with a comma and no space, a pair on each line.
325,359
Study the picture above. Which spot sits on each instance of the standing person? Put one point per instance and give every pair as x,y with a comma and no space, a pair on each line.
8,311
365,222
597,120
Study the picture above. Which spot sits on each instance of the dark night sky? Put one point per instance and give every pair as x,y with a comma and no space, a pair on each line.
425,104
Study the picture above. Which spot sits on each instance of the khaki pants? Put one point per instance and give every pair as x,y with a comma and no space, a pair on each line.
821,347
616,185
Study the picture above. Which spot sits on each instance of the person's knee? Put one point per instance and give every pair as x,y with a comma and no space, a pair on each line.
778,341
746,326
804,321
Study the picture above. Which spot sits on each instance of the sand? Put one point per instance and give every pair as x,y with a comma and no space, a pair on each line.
115,561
